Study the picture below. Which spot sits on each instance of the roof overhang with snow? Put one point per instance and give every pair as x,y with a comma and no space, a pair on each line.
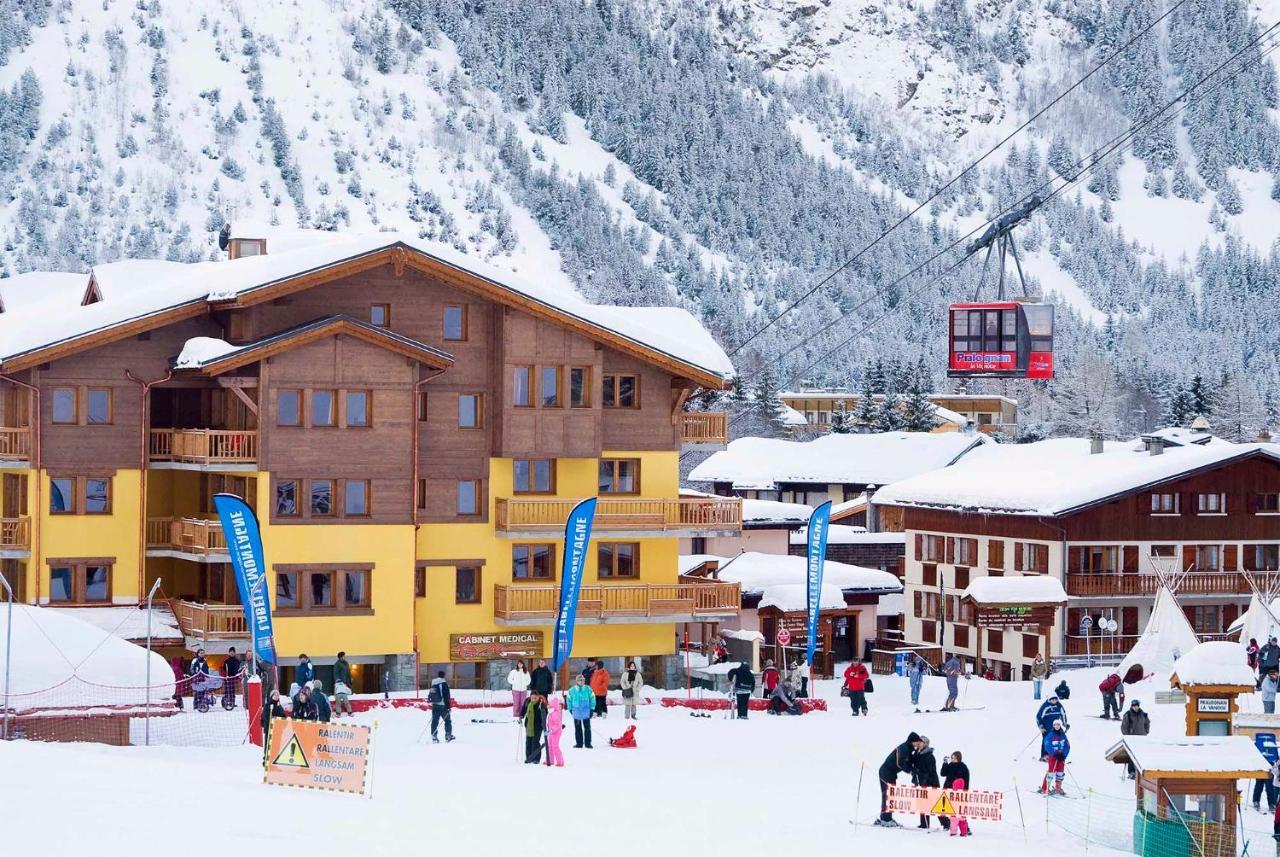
1192,758
1024,591
1216,666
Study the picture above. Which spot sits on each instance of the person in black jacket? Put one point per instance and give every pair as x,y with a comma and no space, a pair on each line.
440,700
303,709
954,771
271,709
535,722
231,679
898,761
743,683
541,680
924,772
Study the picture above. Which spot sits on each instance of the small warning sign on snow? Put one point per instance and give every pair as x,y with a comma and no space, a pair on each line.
979,805
312,755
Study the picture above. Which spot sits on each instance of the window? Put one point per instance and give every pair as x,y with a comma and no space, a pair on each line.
1265,557
1164,551
286,591
1208,558
355,498
356,405
289,407
98,406
1164,504
966,552
549,386
1267,504
287,497
466,585
97,495
533,475
618,559
619,476
64,406
470,411
533,562
1206,619
1211,504
579,387
319,589
355,589
620,391
380,315
455,323
422,493
931,549
322,408
522,387
321,497
1097,559
79,581
62,496
1032,557
419,582
468,497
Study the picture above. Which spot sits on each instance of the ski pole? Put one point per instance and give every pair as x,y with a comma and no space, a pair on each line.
857,798
1028,744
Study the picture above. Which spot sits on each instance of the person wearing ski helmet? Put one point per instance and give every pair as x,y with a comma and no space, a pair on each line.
1056,747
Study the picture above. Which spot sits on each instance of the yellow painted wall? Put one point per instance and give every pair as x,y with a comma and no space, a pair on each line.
115,535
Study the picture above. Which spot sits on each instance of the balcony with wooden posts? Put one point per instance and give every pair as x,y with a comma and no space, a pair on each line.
704,429
637,517
15,538
622,603
203,449
206,622
1146,585
195,539
15,446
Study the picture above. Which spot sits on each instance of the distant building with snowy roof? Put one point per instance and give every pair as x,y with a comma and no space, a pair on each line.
1107,519
988,413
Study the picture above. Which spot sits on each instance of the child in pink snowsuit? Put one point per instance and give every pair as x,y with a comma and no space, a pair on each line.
555,725
959,824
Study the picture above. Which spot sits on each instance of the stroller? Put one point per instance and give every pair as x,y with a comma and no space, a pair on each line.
203,688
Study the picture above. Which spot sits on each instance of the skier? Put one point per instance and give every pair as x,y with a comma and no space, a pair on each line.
768,679
1270,685
952,670
440,700
555,726
1055,747
1039,672
1136,722
915,678
743,684
541,680
342,685
955,775
924,773
899,760
581,702
1111,686
324,712
230,679
1051,710
600,687
1062,690
855,683
535,721
632,682
518,681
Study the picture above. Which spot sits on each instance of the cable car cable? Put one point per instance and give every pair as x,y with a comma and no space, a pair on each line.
950,182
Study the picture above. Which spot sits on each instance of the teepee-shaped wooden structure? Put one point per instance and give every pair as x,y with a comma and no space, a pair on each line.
1167,636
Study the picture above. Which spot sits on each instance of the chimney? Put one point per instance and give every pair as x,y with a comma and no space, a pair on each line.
1155,446
241,248
1095,443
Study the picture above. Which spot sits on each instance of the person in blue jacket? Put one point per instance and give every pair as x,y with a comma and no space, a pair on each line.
915,677
1050,710
1056,747
581,703
305,673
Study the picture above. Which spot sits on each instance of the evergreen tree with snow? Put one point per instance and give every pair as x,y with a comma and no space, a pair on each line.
918,413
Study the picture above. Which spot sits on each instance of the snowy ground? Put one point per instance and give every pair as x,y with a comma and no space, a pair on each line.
769,785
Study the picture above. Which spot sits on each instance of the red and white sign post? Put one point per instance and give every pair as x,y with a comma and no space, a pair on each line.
783,637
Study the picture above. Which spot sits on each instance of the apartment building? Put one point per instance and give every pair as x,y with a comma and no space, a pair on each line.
988,413
411,425
1109,520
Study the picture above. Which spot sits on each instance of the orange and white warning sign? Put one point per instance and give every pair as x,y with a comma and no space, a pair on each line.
980,805
314,755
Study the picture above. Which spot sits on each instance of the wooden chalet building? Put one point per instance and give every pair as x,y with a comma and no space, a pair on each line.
1106,519
411,425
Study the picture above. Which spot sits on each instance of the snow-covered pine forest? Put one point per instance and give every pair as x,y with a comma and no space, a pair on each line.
726,156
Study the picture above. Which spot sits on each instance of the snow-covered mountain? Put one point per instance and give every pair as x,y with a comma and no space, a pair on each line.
726,156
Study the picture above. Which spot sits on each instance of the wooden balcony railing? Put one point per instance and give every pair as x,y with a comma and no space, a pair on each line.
187,535
657,515
15,532
1194,583
656,600
210,621
1101,644
704,427
15,443
204,446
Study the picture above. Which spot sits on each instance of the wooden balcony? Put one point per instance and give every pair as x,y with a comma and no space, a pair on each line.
637,516
704,428
204,448
15,444
210,621
15,535
1100,644
194,537
1194,583
620,603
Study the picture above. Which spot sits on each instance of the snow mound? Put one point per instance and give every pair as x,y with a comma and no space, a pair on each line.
1214,662
202,349
1167,637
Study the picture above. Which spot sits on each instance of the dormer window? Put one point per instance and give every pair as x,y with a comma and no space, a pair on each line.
92,294
240,248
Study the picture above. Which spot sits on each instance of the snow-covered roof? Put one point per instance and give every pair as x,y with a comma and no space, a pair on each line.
761,463
1055,477
836,395
1022,589
140,288
857,504
839,534
127,622
61,662
743,634
200,350
689,561
1177,436
757,571
1166,638
23,290
790,597
761,512
792,418
1194,754
1214,662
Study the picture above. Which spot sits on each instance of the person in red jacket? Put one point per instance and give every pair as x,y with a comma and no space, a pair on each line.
855,682
769,679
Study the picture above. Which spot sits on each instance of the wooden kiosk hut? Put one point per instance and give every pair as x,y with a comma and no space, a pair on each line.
1026,604
1212,675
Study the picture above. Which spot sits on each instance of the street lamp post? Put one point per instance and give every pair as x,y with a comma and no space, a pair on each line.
8,654
146,729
